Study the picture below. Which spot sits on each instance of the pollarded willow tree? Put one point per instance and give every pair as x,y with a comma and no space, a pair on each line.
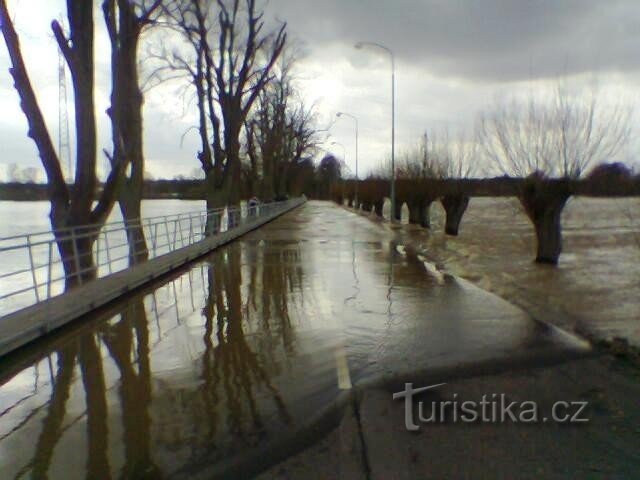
555,135
451,157
75,220
440,155
559,135
228,61
443,155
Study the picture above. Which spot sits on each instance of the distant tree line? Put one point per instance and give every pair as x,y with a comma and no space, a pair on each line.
555,134
15,174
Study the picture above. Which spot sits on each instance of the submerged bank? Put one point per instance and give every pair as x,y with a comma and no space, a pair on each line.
595,289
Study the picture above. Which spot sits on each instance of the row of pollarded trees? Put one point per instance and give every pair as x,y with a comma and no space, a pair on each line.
243,96
557,135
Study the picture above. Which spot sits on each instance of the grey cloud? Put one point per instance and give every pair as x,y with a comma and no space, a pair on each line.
488,40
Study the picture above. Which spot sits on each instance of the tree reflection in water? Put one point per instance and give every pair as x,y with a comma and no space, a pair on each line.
231,366
127,341
52,424
248,340
131,331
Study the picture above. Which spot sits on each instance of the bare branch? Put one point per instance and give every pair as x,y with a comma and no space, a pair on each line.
37,127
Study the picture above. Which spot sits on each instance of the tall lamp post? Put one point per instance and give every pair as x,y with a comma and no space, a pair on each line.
359,46
353,117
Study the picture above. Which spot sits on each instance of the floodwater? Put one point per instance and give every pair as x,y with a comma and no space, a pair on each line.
21,218
241,349
594,290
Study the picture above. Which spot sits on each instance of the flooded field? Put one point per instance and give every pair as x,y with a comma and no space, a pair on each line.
596,287
28,218
21,218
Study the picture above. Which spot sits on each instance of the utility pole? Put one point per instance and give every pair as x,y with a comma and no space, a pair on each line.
64,144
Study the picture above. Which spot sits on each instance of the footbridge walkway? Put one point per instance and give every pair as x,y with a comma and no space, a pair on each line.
33,301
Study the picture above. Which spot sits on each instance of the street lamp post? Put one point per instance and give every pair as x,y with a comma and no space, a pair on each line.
343,114
361,45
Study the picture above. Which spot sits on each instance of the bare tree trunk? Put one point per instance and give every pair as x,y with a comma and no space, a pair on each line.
378,206
135,388
71,209
216,198
125,27
76,252
543,205
95,391
268,181
426,213
454,206
397,215
51,431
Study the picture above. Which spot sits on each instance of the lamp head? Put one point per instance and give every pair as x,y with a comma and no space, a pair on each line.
339,114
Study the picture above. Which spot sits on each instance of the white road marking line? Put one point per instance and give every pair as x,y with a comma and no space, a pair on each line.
342,369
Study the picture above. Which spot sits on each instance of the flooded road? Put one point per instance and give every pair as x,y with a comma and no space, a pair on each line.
246,347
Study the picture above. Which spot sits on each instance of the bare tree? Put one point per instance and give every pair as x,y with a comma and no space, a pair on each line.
558,135
126,21
455,156
439,155
72,209
230,64
279,132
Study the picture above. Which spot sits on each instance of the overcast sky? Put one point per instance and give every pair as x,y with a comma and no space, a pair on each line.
453,58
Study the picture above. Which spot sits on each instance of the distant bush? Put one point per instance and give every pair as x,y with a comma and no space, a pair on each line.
610,172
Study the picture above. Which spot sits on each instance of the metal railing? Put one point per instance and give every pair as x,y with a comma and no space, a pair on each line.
32,270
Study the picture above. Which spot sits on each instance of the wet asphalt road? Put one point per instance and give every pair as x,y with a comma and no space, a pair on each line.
248,344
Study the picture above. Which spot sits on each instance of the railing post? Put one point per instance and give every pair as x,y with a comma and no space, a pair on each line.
76,259
175,231
180,231
154,238
131,241
106,248
33,271
49,270
98,256
166,227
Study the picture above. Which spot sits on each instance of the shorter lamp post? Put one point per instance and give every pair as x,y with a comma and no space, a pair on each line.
359,46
